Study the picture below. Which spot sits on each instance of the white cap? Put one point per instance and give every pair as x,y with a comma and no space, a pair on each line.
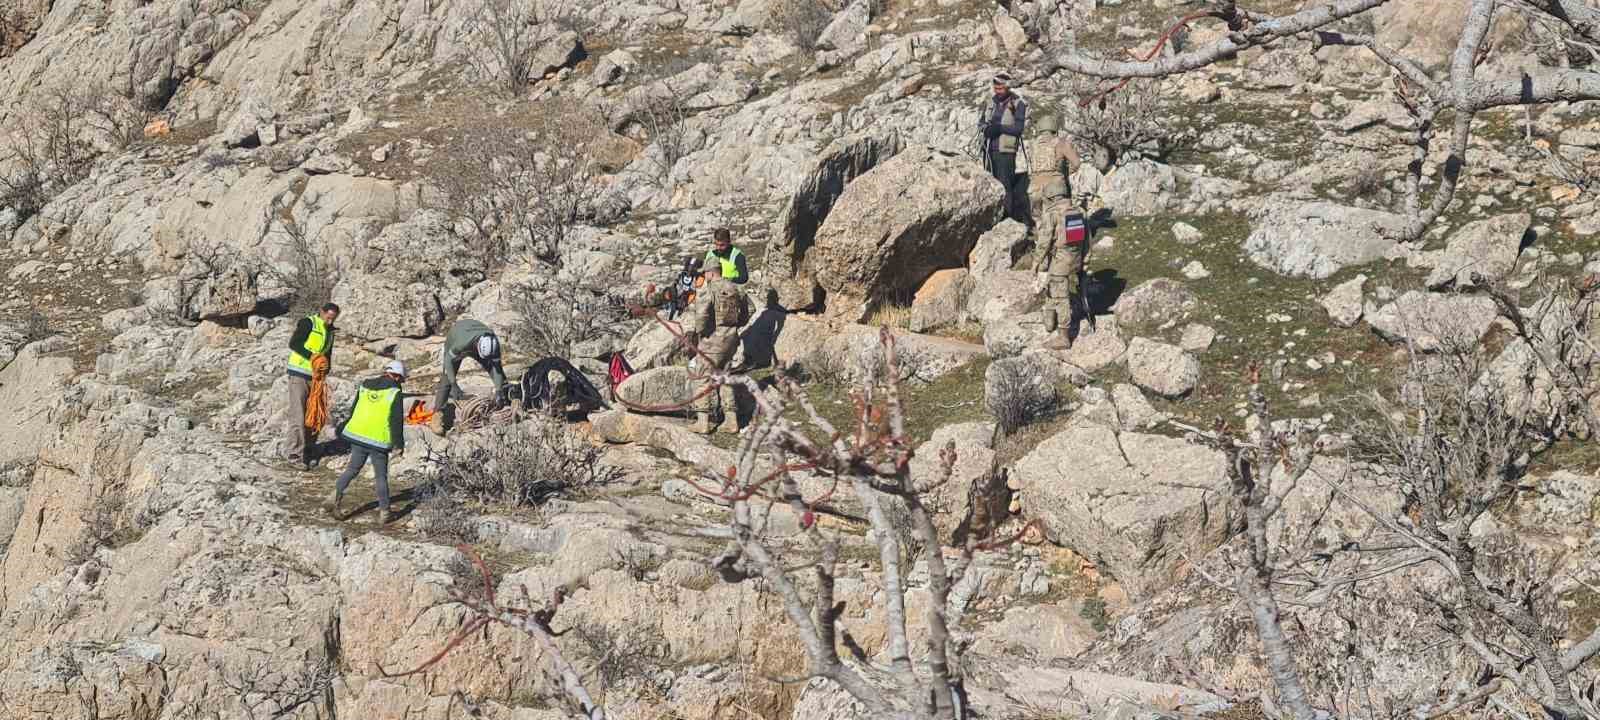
395,367
488,346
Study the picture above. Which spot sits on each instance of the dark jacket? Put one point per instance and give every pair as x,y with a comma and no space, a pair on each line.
302,331
397,418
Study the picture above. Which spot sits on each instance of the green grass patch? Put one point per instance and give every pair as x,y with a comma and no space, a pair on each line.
1237,300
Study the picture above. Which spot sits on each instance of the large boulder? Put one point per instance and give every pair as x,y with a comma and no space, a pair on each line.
1344,303
999,295
939,301
1434,321
661,389
917,213
852,349
229,296
29,384
1132,503
1163,369
379,307
841,162
1139,188
998,249
1153,303
963,502
1317,239
1481,251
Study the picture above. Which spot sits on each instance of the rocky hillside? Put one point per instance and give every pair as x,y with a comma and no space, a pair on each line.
184,179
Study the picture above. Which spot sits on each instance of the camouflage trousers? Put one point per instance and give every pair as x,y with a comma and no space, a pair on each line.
719,348
1065,270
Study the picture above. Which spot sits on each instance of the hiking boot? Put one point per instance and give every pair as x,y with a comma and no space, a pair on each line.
1059,341
334,504
703,424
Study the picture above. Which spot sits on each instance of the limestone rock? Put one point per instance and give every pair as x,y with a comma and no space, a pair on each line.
657,387
1197,338
795,228
1344,303
1133,520
29,384
1154,303
854,348
1481,251
998,249
1142,187
1098,350
939,302
1317,239
377,307
1434,321
228,297
1186,234
963,500
1163,369
920,212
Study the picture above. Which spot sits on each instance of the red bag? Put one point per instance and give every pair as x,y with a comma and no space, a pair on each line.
618,371
1074,231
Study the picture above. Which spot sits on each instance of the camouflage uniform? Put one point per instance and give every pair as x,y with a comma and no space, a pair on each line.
716,315
1066,264
1056,158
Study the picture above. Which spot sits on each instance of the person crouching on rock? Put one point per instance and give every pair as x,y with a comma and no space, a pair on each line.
375,429
469,338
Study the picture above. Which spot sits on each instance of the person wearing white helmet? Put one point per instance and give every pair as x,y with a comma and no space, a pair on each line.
469,338
375,429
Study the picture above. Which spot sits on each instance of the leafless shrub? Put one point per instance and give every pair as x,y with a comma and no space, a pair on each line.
521,464
802,21
1367,182
35,326
104,527
438,515
503,39
1114,126
309,271
638,654
664,120
1019,396
216,160
520,194
264,689
557,317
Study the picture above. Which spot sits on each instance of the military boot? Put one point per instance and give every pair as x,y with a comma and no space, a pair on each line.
703,424
1060,341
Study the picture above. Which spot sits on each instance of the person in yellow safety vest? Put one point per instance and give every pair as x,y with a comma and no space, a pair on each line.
313,336
375,429
729,259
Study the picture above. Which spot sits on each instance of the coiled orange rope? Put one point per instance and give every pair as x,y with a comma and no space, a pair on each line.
317,399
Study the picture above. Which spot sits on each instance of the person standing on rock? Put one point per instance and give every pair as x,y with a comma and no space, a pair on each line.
725,257
469,339
313,337
1002,119
1057,158
713,326
1064,226
375,429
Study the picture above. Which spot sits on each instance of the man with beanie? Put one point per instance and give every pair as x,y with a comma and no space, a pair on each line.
1002,119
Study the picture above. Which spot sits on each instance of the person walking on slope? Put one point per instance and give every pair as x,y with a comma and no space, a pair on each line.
713,326
1064,226
725,257
312,338
1002,118
469,339
375,429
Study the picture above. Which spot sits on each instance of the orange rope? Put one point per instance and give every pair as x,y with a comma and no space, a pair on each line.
317,399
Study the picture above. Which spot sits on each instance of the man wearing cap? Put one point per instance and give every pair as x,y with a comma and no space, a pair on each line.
469,338
1001,120
1056,158
376,428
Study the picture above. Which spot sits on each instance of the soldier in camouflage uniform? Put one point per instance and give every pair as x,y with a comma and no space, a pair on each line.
1052,157
713,323
1066,265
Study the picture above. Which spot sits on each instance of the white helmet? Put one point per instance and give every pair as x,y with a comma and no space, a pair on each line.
488,346
395,367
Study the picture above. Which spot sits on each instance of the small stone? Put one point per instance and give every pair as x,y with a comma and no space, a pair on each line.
1186,234
1195,271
